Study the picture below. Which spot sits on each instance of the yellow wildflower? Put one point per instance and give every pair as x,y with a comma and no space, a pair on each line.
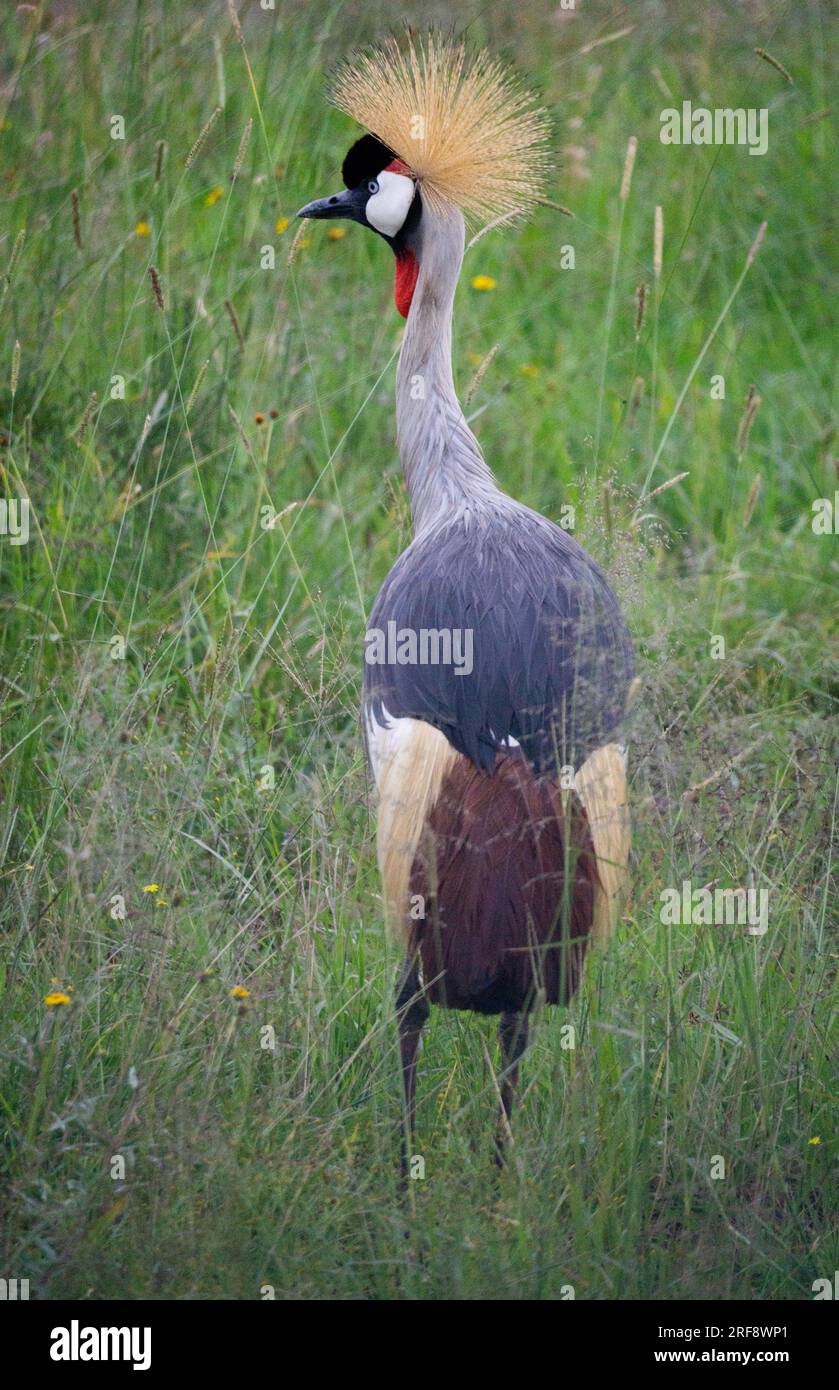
483,282
57,997
151,888
281,225
214,195
816,1139
239,992
335,233
527,370
142,229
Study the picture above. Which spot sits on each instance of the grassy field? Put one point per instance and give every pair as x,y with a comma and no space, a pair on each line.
186,810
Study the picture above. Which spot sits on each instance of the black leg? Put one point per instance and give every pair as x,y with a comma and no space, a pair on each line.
412,1011
512,1034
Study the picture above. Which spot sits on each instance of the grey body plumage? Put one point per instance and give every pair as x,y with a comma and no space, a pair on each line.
551,657
551,651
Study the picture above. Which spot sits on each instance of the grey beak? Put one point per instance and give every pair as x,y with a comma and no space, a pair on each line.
339,205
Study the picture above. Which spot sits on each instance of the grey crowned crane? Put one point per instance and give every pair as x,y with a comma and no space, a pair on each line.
503,830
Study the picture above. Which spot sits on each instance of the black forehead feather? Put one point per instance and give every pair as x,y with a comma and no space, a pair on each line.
367,158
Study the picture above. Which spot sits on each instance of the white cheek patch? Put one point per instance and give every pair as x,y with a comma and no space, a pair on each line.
387,209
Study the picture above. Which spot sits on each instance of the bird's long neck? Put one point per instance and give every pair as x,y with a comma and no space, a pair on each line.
444,469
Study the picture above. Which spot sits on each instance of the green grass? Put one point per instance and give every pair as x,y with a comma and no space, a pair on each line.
248,1165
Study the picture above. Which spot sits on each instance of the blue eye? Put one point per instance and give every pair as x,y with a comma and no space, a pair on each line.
372,186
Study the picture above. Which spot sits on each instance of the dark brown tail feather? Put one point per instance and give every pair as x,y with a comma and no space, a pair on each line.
508,875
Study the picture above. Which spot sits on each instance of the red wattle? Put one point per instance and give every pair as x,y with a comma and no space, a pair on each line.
405,281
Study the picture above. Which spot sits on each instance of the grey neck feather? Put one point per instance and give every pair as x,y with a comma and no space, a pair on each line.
444,469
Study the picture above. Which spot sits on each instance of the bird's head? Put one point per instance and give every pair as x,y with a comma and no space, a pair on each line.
450,132
383,194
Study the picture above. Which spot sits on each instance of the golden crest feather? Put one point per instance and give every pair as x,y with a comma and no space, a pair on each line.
461,122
